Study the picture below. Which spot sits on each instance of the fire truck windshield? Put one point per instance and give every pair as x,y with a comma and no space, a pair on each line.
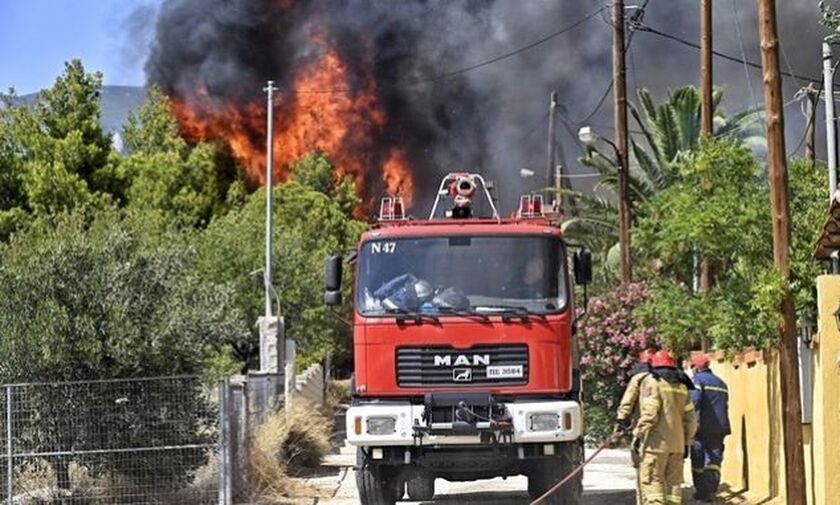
462,273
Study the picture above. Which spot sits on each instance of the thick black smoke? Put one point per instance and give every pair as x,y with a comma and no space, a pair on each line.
492,118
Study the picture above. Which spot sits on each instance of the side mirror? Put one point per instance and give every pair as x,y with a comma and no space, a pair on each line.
583,267
332,280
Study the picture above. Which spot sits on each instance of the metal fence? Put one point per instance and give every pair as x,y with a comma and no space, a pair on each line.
137,441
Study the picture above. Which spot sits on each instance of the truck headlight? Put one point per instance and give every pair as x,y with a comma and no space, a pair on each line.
381,425
543,421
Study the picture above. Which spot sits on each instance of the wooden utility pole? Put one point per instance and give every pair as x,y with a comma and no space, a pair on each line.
706,70
780,206
623,161
812,97
706,123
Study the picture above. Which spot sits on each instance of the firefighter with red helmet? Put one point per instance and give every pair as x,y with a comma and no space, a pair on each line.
630,406
666,428
627,408
711,402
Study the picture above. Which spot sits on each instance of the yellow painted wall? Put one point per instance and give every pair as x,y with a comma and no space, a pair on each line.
754,461
751,465
826,396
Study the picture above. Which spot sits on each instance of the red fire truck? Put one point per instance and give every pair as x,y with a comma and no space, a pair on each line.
464,347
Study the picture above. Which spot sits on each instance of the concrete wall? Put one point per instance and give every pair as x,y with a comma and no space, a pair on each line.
309,385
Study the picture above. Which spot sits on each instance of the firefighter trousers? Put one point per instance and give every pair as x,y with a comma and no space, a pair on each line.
661,476
636,458
706,456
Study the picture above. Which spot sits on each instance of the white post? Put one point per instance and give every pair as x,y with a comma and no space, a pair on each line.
830,125
269,186
269,346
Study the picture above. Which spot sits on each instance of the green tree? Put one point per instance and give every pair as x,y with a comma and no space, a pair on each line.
667,132
100,294
54,154
185,184
312,220
720,204
808,185
152,129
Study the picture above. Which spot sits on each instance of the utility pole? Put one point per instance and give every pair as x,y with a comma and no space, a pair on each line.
552,151
811,129
269,189
620,94
272,341
706,69
706,125
830,120
778,175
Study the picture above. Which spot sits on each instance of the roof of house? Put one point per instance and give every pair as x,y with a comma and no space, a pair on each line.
829,241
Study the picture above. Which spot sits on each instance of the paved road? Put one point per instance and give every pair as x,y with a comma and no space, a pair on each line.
609,479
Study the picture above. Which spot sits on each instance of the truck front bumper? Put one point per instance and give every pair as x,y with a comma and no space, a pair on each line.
404,424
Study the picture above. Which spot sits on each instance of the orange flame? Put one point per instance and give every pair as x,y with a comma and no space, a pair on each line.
322,112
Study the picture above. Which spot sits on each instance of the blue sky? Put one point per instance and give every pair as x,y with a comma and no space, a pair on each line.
38,36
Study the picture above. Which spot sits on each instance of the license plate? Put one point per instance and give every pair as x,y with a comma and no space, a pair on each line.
504,372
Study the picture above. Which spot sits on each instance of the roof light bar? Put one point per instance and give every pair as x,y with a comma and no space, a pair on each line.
531,206
392,208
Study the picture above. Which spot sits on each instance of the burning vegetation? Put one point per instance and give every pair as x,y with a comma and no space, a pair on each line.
325,102
389,90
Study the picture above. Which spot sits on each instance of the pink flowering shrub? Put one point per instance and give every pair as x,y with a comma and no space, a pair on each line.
610,339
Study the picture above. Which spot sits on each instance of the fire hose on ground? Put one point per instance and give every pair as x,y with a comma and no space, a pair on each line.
612,438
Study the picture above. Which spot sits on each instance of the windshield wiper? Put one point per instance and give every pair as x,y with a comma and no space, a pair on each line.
449,311
508,312
404,315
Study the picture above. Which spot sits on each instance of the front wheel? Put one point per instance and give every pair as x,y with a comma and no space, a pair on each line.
377,484
545,475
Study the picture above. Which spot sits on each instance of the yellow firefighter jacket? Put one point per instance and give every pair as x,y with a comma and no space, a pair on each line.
667,423
631,399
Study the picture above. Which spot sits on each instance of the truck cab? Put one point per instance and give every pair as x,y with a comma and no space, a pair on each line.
465,362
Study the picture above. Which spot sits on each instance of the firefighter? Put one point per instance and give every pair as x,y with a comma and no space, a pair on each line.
711,399
629,407
665,429
629,401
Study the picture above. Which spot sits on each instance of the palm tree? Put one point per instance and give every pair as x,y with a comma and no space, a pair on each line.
666,134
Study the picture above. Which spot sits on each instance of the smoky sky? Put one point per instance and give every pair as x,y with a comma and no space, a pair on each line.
492,118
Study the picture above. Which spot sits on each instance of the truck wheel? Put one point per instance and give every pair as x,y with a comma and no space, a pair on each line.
421,488
377,485
545,476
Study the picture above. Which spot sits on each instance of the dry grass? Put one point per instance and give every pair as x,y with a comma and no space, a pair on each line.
285,446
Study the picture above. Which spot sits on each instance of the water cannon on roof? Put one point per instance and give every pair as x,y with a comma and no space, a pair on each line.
461,188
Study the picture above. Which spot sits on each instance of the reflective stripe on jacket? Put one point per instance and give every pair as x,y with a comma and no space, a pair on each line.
667,422
711,401
630,401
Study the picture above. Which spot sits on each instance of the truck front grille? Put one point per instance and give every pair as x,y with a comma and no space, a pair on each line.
446,366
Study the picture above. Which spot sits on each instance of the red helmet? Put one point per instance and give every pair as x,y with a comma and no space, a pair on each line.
662,358
646,355
699,360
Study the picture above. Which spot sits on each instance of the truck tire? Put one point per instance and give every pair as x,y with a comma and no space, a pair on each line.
545,476
421,488
377,485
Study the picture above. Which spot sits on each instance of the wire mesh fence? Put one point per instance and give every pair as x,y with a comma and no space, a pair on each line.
138,441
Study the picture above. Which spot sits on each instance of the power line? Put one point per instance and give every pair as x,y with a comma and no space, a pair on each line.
452,73
635,21
728,57
743,52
